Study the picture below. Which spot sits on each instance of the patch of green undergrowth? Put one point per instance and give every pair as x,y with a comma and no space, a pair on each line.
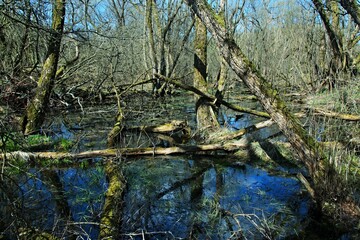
15,142
64,144
38,139
10,142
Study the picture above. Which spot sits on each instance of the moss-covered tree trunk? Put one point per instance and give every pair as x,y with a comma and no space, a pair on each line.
149,25
115,133
35,111
205,114
111,216
305,146
223,73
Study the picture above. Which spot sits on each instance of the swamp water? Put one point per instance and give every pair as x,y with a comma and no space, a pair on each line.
177,197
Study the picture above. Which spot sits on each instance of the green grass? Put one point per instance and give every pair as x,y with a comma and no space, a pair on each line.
64,144
10,142
37,139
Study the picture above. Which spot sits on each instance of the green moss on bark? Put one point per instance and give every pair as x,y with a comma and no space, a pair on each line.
35,111
111,215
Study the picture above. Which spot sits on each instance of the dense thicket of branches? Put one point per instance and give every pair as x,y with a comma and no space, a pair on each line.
123,41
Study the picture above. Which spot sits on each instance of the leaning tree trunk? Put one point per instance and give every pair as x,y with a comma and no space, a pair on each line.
304,145
35,111
205,114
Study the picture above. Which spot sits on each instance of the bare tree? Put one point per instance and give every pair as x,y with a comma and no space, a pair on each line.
163,38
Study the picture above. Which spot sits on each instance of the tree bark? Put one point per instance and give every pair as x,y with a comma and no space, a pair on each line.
116,130
242,132
172,126
205,114
35,111
223,72
149,24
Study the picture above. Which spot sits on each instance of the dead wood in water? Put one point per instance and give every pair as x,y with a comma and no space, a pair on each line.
304,145
116,130
166,128
325,181
307,185
172,126
242,132
182,149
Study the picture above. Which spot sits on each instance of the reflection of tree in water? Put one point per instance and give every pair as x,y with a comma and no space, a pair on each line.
25,204
161,198
111,216
49,203
158,197
196,195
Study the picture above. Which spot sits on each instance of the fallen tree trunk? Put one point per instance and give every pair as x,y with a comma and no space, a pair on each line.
111,152
252,128
166,128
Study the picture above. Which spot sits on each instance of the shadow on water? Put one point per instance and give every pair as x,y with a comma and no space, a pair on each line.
164,198
229,201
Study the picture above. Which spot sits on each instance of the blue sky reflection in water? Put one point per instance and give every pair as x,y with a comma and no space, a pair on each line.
186,197
174,197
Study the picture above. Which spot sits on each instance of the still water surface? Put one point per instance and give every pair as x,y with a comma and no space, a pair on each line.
202,197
